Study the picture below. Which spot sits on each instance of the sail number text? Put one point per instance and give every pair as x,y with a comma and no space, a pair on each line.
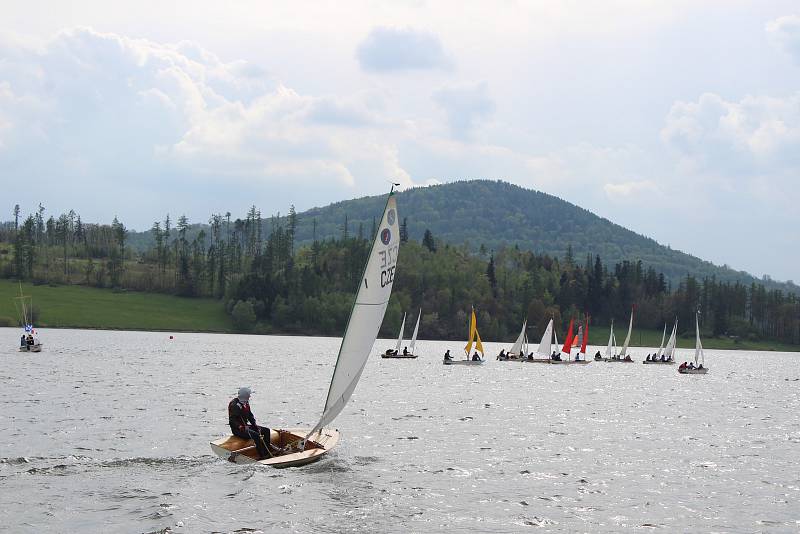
388,264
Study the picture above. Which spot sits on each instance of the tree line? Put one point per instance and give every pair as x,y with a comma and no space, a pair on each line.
269,284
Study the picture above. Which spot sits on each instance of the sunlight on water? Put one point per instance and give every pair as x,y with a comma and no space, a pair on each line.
109,431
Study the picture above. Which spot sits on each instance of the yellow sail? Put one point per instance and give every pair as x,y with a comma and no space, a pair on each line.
473,329
478,344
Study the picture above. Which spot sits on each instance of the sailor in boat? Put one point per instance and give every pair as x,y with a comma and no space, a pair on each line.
598,356
30,341
405,351
22,343
476,357
243,424
530,356
647,359
447,356
502,356
628,358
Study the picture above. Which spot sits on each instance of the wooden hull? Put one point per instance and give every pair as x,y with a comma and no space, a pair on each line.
570,362
243,451
657,362
32,348
685,371
537,360
610,360
398,356
463,362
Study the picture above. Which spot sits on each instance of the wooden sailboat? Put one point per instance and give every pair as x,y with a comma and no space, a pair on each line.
306,445
29,342
623,356
406,354
699,357
474,337
520,347
612,345
657,357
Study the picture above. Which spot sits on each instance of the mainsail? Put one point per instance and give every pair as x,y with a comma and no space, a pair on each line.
698,346
627,338
585,338
609,350
400,337
670,349
414,336
661,347
366,316
474,336
547,339
517,348
568,342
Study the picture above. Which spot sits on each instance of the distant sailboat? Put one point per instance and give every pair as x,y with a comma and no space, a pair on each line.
611,348
623,356
406,353
657,357
413,344
303,445
29,342
544,346
520,347
566,350
699,356
474,338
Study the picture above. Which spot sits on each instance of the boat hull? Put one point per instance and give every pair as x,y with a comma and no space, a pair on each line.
672,362
243,451
685,371
537,360
570,362
611,360
463,362
32,348
398,356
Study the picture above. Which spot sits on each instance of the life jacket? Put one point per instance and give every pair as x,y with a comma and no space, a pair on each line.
239,414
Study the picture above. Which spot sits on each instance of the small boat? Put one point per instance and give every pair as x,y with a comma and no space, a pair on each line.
699,357
406,353
304,445
520,347
623,356
29,342
567,348
474,337
544,346
663,357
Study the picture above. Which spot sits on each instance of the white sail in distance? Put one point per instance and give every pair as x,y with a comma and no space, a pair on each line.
661,347
517,348
609,349
367,314
670,350
547,339
416,330
627,338
698,346
400,337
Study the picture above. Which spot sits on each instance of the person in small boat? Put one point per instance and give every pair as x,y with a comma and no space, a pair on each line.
684,365
530,356
447,356
598,356
700,366
30,341
502,355
475,357
243,424
405,351
628,359
22,342
691,365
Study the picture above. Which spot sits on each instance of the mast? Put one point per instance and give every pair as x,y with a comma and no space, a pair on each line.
609,352
661,347
585,339
627,338
698,346
547,339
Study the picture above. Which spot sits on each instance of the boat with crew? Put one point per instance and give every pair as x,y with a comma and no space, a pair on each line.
664,356
29,341
520,347
623,356
699,367
474,338
406,353
305,445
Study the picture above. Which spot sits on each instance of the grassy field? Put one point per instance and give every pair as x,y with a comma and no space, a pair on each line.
85,307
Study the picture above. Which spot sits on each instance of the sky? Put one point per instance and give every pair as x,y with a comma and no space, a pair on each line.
679,120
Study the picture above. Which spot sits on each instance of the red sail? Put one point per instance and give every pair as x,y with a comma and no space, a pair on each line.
585,335
568,342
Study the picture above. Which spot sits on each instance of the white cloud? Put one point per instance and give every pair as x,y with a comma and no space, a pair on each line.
784,33
642,190
466,106
401,49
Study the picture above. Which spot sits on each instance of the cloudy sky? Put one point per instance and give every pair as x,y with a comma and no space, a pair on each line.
679,120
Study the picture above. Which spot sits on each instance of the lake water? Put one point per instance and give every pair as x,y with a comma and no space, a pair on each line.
109,432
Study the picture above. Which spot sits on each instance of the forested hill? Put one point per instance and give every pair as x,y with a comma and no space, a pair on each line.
494,214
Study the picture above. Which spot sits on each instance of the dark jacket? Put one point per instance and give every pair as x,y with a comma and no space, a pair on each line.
239,415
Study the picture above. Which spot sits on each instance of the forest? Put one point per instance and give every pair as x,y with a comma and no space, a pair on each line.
269,282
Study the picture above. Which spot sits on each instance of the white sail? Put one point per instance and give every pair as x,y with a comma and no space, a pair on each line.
555,338
416,330
544,344
627,338
367,314
698,346
517,348
609,349
669,351
661,347
400,337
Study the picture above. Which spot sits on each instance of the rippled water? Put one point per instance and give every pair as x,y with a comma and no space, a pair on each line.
109,431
